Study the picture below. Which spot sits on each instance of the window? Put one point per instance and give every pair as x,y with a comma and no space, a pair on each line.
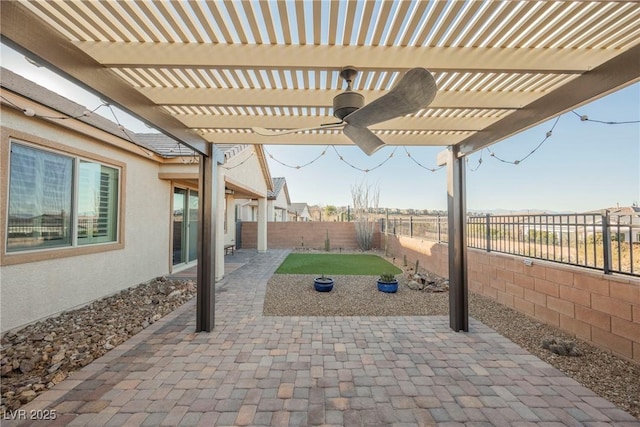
618,237
97,203
58,200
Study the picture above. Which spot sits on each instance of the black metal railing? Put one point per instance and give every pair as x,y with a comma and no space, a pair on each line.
606,242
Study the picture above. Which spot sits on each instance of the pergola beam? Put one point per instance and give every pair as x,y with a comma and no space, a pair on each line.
621,71
267,56
336,138
296,122
324,98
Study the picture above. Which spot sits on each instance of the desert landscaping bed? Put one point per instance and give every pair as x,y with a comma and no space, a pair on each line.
39,356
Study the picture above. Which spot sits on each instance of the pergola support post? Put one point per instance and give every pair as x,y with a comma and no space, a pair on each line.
205,301
457,245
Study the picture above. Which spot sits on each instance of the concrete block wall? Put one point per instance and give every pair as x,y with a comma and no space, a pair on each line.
599,308
308,235
432,256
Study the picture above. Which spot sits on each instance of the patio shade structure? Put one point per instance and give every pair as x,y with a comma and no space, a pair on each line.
205,72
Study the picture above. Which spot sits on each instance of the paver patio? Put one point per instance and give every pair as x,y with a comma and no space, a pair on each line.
295,371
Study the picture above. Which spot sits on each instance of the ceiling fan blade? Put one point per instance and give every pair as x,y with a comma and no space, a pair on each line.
414,91
269,132
363,138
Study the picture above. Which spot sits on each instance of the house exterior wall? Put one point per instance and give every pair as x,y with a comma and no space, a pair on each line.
245,170
246,209
599,308
277,209
305,216
301,216
179,169
279,215
244,173
38,289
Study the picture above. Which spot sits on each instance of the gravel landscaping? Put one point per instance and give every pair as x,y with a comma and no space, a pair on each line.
611,377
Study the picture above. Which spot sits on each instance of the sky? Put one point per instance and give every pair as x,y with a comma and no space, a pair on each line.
582,166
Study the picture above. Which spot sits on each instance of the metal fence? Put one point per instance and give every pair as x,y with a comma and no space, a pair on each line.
610,243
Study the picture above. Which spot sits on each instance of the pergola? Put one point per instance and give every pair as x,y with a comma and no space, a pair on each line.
206,72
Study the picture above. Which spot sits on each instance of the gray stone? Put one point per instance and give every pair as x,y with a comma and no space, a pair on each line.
45,352
416,286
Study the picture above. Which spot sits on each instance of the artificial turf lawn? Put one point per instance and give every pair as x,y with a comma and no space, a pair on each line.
350,264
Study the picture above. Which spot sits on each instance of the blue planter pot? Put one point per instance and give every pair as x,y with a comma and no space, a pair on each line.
388,287
323,285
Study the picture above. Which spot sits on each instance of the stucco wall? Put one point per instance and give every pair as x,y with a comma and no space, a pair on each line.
599,308
244,169
34,290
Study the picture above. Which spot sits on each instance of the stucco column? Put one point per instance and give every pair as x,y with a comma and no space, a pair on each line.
262,224
219,252
231,220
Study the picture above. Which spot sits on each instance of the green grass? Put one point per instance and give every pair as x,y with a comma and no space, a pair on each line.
348,264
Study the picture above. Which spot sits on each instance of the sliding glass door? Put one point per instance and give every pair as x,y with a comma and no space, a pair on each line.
192,226
185,225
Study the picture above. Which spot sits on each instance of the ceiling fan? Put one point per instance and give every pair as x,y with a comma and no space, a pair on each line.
414,91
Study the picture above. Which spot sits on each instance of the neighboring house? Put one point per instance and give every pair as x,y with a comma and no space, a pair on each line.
278,200
246,210
277,204
328,213
299,212
87,212
316,213
624,223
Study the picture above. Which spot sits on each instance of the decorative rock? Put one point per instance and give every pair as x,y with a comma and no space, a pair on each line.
558,349
6,369
561,347
416,286
27,396
174,294
427,282
54,368
57,358
26,366
45,352
37,337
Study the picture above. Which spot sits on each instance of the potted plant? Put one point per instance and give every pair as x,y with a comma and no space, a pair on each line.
387,282
323,283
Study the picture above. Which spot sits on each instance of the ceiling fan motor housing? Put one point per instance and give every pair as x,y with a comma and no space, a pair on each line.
346,103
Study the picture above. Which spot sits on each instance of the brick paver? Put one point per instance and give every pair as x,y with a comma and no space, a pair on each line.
293,371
